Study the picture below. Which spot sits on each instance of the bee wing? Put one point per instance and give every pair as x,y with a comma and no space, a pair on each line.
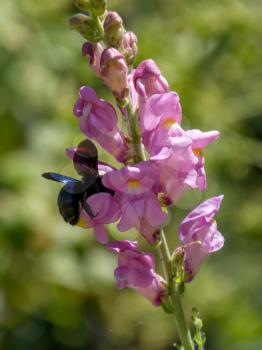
88,210
85,158
59,178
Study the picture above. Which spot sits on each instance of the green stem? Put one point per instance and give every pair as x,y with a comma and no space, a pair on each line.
174,297
180,320
135,134
99,26
163,249
164,255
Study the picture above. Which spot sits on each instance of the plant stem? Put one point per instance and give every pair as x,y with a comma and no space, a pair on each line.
99,26
174,297
135,134
163,249
180,320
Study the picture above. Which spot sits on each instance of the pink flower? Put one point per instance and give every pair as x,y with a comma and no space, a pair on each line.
162,136
164,109
148,79
176,152
200,140
177,167
94,51
160,119
137,270
199,235
115,143
98,120
160,114
114,72
143,213
104,168
162,140
132,179
95,114
106,210
135,188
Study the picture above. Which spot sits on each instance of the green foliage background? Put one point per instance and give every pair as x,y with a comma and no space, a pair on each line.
56,284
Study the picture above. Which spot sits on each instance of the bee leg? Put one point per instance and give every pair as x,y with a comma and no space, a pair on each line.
88,210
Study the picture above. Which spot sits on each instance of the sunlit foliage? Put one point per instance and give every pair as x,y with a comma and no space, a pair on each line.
56,284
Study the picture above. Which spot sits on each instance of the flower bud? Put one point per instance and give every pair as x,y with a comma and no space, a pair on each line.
148,79
199,236
129,45
98,7
114,29
84,5
113,70
178,260
98,120
85,25
94,51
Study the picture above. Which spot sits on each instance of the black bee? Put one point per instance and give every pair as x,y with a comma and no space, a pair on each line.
72,197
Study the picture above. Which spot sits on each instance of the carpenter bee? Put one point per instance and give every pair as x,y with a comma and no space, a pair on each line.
72,197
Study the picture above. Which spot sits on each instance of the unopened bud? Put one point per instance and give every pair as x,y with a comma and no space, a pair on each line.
199,337
84,5
85,25
98,7
113,69
129,45
93,51
178,259
114,29
148,80
187,260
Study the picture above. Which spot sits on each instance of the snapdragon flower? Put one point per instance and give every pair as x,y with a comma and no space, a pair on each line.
148,79
164,109
106,210
176,151
200,140
98,120
177,167
199,235
135,188
136,270
95,114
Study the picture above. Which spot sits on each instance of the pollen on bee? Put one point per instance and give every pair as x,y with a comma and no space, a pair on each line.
82,222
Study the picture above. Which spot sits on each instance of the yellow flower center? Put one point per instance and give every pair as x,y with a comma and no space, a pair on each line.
133,184
164,201
168,123
164,209
197,152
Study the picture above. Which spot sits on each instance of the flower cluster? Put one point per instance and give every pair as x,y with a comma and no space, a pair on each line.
158,159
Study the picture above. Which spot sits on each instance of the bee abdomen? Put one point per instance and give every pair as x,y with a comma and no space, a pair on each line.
68,205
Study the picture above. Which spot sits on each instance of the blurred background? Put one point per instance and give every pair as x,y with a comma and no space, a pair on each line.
57,289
